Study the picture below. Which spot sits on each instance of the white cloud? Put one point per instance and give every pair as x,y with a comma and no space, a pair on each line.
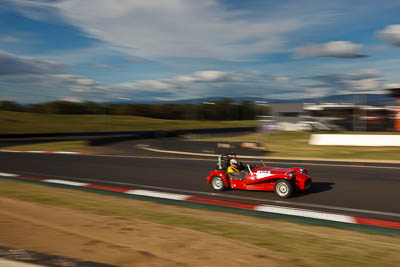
11,64
149,86
74,83
28,77
207,83
392,85
175,28
135,59
8,39
338,49
391,34
363,81
210,75
365,84
38,10
364,74
101,67
71,99
66,82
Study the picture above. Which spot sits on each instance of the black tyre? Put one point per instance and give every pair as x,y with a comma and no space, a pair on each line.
217,183
283,188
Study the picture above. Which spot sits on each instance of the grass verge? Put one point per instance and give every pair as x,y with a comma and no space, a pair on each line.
20,122
303,245
70,146
295,145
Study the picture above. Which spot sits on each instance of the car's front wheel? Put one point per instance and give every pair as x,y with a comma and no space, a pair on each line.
217,183
283,188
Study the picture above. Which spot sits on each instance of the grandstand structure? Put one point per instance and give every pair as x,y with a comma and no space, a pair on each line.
395,92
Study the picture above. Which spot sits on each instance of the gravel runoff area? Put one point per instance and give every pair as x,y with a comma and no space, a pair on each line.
118,241
124,232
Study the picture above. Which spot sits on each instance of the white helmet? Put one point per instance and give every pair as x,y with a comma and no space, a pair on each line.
234,162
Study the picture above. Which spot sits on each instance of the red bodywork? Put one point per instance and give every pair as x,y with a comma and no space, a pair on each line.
264,178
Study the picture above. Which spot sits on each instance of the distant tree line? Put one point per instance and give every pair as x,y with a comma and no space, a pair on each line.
224,109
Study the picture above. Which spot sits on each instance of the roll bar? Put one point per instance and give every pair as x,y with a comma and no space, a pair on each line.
248,166
225,157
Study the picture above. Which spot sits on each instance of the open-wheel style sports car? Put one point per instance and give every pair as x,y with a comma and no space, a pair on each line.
283,181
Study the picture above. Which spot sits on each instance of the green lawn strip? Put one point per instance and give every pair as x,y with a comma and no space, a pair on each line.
70,146
295,144
302,245
20,122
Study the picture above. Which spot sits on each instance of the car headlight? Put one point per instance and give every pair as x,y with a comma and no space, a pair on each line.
291,175
302,170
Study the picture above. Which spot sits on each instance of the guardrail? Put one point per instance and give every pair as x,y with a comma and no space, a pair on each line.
102,138
166,133
72,134
120,133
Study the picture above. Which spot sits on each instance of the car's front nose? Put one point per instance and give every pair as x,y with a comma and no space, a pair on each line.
303,181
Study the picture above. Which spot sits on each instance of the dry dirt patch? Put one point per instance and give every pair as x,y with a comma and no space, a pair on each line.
119,241
129,232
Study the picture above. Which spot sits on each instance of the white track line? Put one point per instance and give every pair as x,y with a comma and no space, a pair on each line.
54,181
65,152
158,194
305,213
311,205
8,174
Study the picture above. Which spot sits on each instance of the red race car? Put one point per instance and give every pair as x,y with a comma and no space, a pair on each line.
282,181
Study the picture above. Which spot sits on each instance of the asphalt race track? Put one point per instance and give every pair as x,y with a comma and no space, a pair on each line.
365,190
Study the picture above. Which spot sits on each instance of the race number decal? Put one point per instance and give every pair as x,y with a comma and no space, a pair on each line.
262,174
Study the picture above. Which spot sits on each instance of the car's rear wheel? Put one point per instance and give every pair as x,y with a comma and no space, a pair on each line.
217,183
283,188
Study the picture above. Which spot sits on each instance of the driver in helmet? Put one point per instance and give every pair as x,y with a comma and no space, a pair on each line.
233,166
235,170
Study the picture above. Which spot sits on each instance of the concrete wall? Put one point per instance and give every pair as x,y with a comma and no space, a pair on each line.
278,111
354,140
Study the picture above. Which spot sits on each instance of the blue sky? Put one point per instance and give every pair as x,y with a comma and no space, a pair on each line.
101,50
